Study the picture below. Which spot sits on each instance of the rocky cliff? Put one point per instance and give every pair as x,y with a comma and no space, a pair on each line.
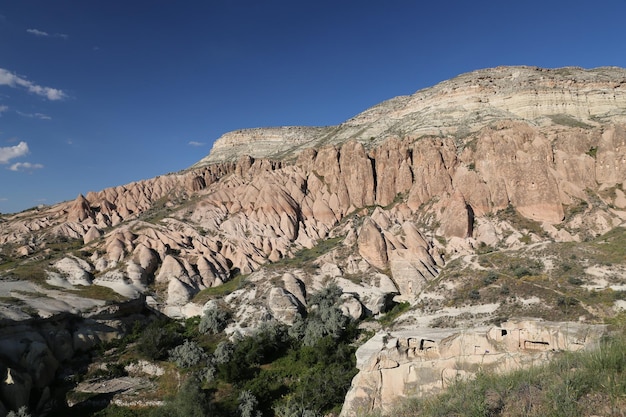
403,202
455,107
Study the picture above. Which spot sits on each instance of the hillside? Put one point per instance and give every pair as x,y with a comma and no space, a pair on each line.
491,202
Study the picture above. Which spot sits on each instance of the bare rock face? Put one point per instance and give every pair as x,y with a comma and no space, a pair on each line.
610,159
458,218
92,234
357,174
393,170
284,306
76,270
419,362
372,245
515,161
80,210
261,143
296,287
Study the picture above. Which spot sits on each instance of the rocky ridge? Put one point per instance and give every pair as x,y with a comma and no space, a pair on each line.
503,159
457,107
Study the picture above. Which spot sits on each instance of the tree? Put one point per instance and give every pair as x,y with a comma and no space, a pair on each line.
187,355
158,338
190,401
213,321
223,352
248,404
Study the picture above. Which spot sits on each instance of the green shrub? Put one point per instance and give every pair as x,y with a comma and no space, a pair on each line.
248,404
213,321
190,401
396,311
187,355
490,278
223,352
324,319
158,338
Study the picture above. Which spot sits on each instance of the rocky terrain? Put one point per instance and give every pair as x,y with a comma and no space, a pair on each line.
497,195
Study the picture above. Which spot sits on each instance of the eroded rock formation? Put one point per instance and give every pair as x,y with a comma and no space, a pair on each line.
420,362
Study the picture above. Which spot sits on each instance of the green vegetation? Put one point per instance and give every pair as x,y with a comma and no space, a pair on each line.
511,215
158,338
239,281
213,321
611,247
277,370
396,311
305,258
592,152
98,292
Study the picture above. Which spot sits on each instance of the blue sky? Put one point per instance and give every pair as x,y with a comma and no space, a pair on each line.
97,93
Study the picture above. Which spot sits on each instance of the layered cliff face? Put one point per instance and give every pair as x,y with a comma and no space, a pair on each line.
457,107
503,159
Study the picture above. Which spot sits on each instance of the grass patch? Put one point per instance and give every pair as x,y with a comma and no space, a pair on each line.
97,292
223,290
611,247
519,222
396,311
304,258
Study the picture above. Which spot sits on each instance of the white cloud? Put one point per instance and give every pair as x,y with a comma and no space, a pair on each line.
3,109
37,32
34,115
42,33
25,166
10,152
12,80
194,143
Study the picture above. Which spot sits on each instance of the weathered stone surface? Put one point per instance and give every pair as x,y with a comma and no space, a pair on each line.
92,234
296,287
76,270
419,362
458,217
284,306
372,246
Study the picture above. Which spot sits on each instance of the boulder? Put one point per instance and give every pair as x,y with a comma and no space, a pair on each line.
284,306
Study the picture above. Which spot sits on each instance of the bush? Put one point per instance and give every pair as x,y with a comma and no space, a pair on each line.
223,352
158,338
492,276
248,404
190,401
575,281
325,318
187,355
214,321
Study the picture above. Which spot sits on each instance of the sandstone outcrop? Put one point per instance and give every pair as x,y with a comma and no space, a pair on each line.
420,362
